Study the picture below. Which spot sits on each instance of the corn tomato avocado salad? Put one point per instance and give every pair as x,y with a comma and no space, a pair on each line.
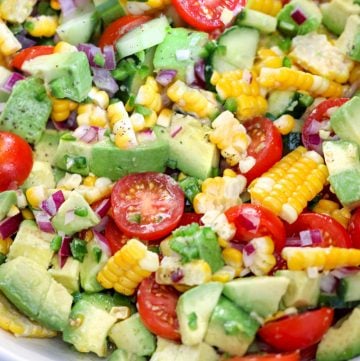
180,180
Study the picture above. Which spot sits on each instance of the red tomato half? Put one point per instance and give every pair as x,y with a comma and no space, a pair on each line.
294,356
206,14
310,131
190,217
16,160
115,237
253,221
299,331
157,308
120,27
333,233
354,229
266,146
30,53
147,205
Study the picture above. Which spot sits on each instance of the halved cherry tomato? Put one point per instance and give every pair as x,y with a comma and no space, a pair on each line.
206,14
147,205
354,229
30,53
266,146
299,331
189,217
318,119
16,160
120,27
157,308
294,356
253,221
333,233
115,237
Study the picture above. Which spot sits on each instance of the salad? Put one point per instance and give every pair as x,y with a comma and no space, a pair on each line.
180,180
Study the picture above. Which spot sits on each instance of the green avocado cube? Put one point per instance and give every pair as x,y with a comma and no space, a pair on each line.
41,174
349,41
46,147
122,355
7,200
27,110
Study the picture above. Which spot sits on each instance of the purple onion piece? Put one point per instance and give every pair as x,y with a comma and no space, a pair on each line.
43,221
69,124
109,55
67,7
249,249
102,242
298,16
11,81
344,272
90,51
100,227
250,220
53,203
175,130
177,275
64,251
10,225
104,81
200,73
147,135
103,207
165,77
25,41
328,283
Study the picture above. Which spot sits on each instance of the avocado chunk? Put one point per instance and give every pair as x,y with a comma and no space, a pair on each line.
66,74
46,147
336,12
341,341
260,295
74,202
190,150
90,267
231,329
302,291
27,110
349,40
180,50
167,350
194,309
41,174
122,355
7,200
88,328
342,160
349,288
132,336
32,290
32,243
107,160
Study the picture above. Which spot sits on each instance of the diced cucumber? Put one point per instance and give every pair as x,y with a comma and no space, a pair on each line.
109,10
257,20
349,288
237,49
143,37
279,101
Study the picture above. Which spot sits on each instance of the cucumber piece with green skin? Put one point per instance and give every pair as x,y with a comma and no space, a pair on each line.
334,301
257,20
109,10
143,37
349,288
236,50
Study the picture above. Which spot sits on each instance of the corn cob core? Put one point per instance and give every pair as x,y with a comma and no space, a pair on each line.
128,267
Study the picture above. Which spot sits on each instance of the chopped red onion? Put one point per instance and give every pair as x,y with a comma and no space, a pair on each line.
104,81
69,124
175,130
165,77
64,251
177,275
53,203
102,224
90,51
200,71
328,283
249,220
311,237
293,242
298,16
109,55
67,7
344,272
249,249
69,216
43,221
11,81
102,242
24,41
103,207
10,225
248,254
147,135
89,134
247,76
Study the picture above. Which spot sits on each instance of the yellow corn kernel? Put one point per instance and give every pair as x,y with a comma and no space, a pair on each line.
55,4
35,195
41,26
198,102
332,209
16,11
225,274
342,215
290,184
285,124
158,4
89,235
234,258
61,109
132,263
89,180
267,58
150,120
91,114
164,118
302,258
27,214
8,43
64,47
270,7
355,74
5,245
250,106
100,189
149,95
99,97
13,321
292,79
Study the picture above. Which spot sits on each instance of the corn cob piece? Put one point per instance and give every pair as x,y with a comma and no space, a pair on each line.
250,106
290,184
61,109
99,97
128,267
292,79
233,258
270,7
13,321
285,124
198,102
268,58
8,43
149,95
332,209
301,258
41,26
16,11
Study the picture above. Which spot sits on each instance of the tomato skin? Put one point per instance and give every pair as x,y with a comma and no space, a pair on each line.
147,205
294,356
30,53
298,331
268,224
334,234
16,160
114,31
156,305
318,114
190,217
206,15
115,237
266,146
354,229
